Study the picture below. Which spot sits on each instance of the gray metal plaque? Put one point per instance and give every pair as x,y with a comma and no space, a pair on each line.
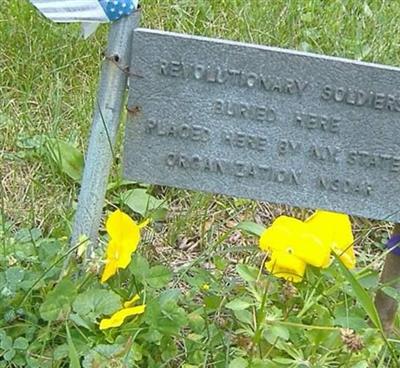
264,123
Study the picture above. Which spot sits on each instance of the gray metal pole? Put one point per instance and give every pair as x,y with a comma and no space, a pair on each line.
107,113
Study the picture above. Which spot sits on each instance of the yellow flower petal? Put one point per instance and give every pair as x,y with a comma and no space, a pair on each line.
286,266
281,234
295,237
110,269
334,229
313,250
294,244
124,238
118,256
121,227
112,251
347,257
124,252
132,301
118,318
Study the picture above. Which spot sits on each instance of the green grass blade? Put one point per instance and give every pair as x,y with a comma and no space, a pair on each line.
362,296
251,227
72,353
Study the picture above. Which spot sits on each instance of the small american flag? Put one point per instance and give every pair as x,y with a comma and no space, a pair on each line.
66,11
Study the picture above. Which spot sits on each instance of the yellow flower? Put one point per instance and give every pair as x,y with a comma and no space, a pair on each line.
285,265
293,237
293,243
335,230
205,287
132,301
118,318
124,237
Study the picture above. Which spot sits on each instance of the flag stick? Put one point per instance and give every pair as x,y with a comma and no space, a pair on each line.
106,118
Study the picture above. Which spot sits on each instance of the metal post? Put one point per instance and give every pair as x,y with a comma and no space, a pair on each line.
107,113
387,307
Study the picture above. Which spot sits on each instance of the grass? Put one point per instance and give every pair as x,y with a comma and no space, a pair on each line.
49,77
49,74
48,80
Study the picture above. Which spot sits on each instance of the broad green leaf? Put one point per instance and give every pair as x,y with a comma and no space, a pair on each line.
273,333
196,357
27,235
49,250
141,202
94,303
174,318
195,337
247,273
244,316
60,352
158,276
136,352
238,304
392,292
72,353
57,304
32,362
9,355
152,336
168,348
251,227
352,317
20,343
170,294
369,280
139,267
166,317
238,363
322,318
196,322
198,278
101,356
14,276
78,320
374,341
362,296
108,350
31,280
6,342
19,360
212,302
66,157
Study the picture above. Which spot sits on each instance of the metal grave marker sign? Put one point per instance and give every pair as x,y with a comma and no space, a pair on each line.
264,123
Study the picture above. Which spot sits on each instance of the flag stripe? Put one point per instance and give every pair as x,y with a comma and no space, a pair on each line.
65,4
72,10
77,19
78,15
85,10
67,10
